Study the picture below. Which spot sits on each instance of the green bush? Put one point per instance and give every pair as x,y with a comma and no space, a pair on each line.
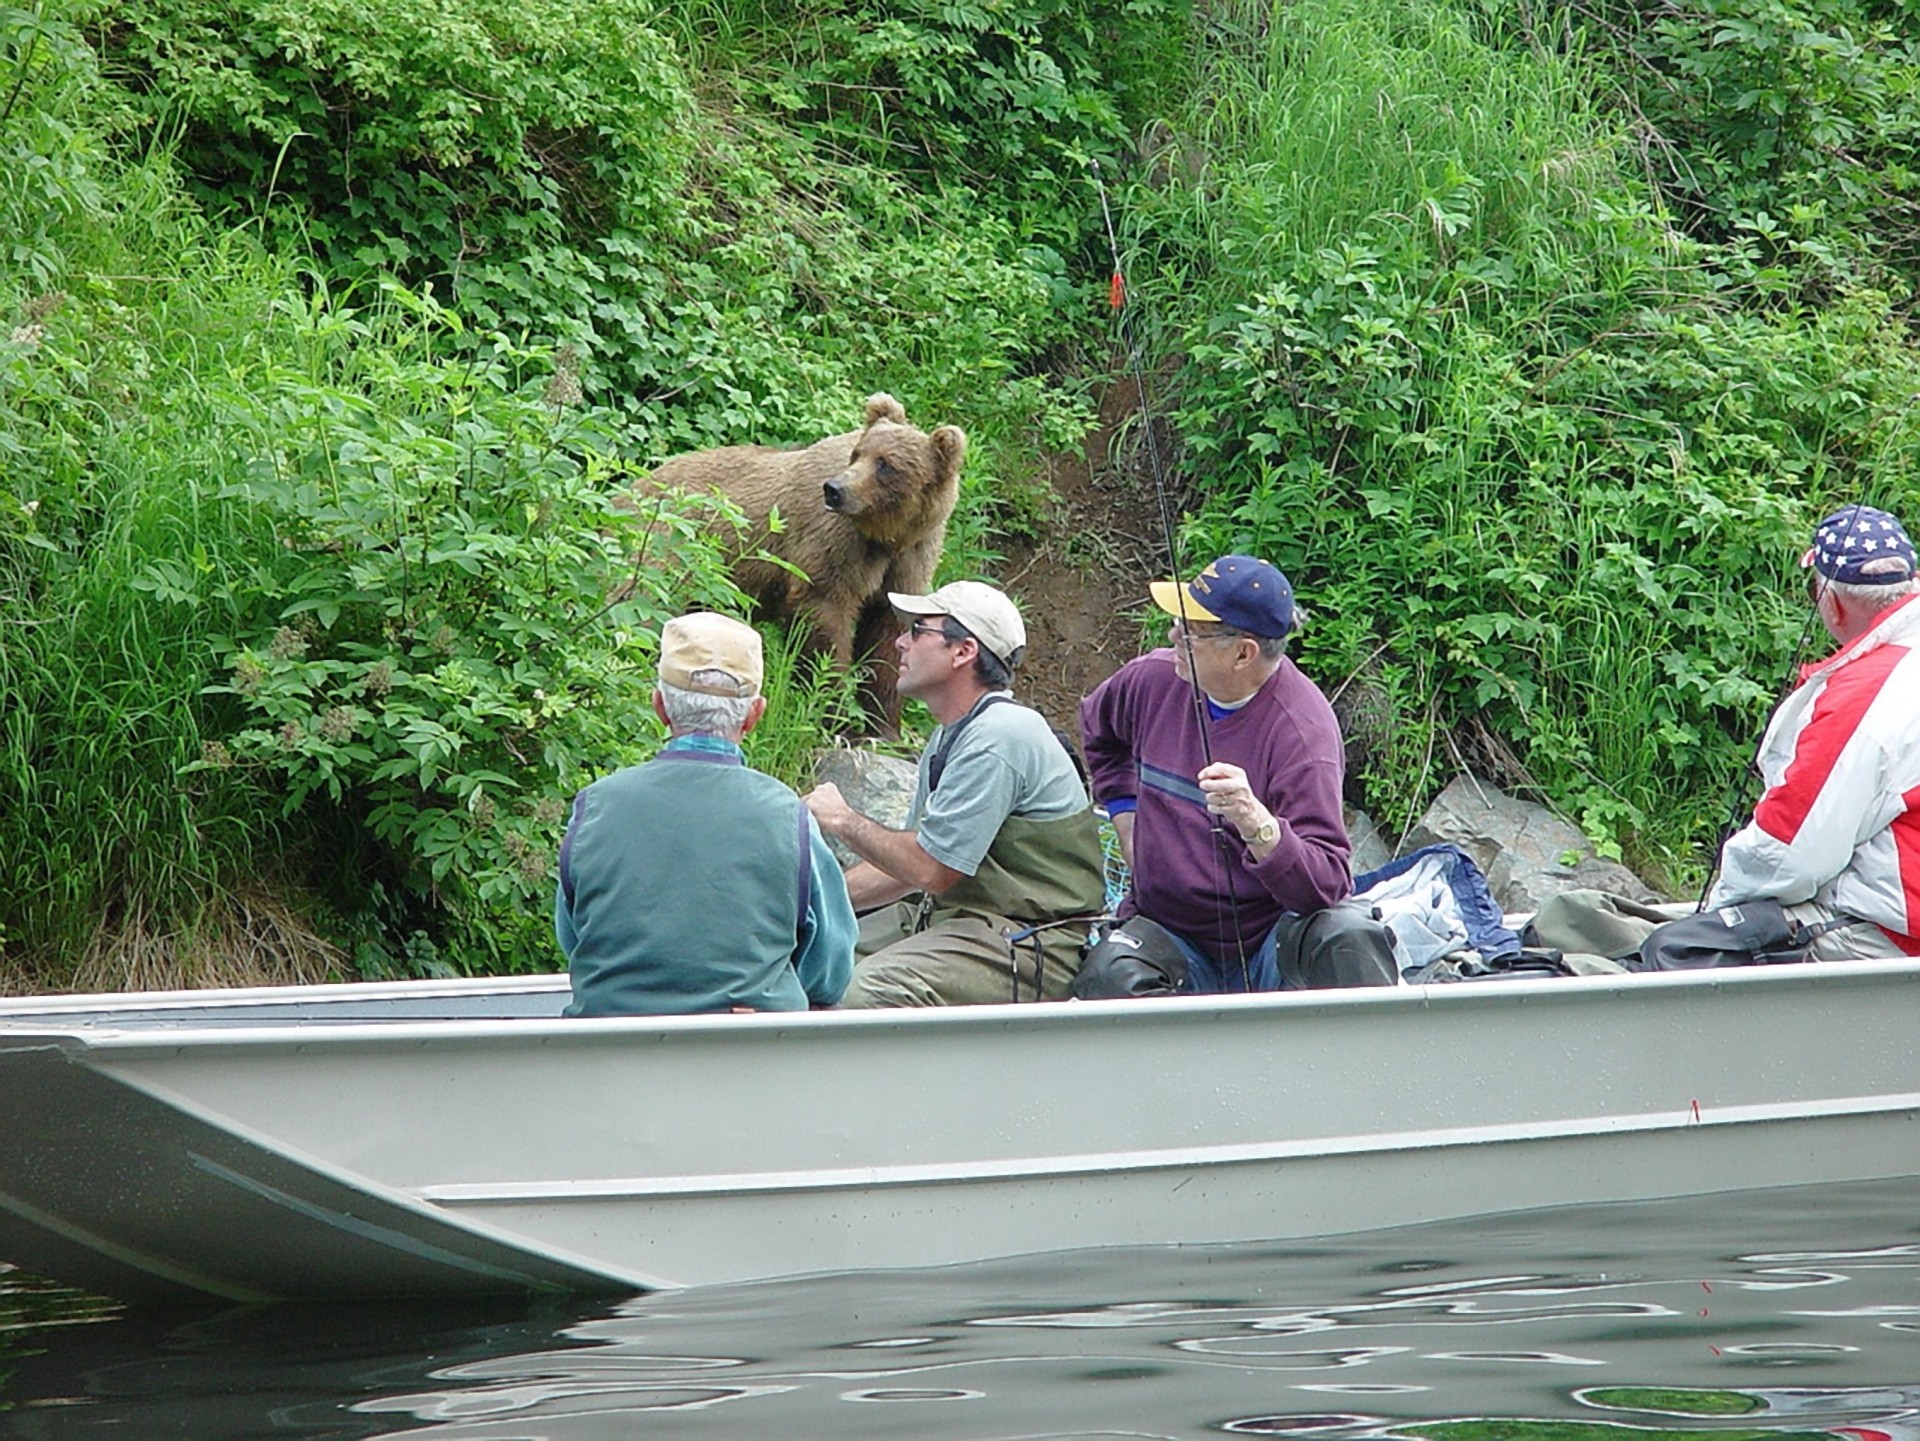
1794,122
1538,463
1004,99
557,173
454,632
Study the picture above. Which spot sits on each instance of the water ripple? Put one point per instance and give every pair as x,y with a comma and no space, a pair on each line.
1671,1317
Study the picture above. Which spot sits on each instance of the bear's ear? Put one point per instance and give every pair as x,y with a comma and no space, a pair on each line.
885,407
950,444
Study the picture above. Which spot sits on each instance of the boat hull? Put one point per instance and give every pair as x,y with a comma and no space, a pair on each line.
274,1156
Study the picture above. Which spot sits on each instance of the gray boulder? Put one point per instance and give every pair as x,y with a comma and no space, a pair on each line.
1526,852
878,786
1370,848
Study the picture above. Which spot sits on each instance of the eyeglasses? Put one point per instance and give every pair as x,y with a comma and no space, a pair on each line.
1194,632
928,627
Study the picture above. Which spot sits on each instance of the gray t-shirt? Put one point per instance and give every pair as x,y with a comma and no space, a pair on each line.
1007,762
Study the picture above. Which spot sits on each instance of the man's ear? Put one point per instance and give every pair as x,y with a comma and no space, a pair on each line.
660,708
754,712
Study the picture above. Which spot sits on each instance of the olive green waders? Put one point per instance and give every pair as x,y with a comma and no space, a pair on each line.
954,949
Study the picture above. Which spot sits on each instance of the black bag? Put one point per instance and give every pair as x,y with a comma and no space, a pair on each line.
1525,965
1752,933
1136,957
1346,944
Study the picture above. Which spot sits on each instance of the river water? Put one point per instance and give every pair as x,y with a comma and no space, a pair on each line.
1775,1314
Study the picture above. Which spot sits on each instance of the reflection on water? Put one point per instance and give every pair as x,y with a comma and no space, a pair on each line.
1793,1312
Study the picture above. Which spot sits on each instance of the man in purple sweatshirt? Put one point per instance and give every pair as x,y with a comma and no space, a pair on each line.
1227,836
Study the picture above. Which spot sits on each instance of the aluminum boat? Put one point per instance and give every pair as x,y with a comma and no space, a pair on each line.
449,1137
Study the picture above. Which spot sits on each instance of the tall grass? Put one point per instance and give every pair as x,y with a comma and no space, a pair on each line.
117,521
1542,460
807,697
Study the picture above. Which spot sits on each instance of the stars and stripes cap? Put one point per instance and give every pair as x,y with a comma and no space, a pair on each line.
1858,545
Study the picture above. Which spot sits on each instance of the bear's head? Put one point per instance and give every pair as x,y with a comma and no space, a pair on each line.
901,483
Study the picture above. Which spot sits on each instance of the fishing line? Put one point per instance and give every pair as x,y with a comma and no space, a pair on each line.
1731,807
1117,299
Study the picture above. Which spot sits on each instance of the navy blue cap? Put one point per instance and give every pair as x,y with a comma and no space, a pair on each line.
1236,590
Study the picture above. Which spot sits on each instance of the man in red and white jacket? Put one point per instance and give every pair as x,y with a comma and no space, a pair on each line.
1837,832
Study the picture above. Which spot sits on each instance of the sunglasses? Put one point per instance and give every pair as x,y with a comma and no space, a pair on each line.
928,627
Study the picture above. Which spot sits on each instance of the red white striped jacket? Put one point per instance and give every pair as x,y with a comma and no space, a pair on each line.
1839,822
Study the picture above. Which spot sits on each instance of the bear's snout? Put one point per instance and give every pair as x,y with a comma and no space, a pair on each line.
835,491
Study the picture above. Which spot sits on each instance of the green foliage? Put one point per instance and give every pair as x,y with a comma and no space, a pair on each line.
1537,464
110,292
557,172
1006,97
1792,120
806,699
452,636
45,84
417,138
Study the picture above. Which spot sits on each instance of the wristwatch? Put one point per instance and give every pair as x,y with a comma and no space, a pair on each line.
1268,833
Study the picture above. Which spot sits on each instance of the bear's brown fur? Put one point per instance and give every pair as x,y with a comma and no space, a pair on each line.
861,514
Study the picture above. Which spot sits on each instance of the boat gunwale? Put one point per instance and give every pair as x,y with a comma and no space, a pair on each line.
74,1030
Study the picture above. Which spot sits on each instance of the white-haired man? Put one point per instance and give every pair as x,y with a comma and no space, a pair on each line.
692,883
1836,834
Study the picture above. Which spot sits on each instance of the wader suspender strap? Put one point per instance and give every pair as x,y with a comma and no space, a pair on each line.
1031,935
936,767
937,762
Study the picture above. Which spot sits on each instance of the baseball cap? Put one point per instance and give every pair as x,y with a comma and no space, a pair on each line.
1236,590
724,654
979,607
1858,545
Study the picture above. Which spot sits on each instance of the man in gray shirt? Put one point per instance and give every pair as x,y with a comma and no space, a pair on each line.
986,895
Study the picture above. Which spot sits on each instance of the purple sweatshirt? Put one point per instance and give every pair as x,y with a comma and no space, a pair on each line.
1143,743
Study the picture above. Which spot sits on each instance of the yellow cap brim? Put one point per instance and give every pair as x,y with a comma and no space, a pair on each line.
1173,598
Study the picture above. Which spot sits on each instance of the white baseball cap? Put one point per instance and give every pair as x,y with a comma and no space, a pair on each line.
981,608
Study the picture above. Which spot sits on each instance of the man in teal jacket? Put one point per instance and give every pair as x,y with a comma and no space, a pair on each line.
692,883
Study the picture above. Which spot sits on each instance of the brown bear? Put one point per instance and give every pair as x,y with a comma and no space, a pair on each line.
861,514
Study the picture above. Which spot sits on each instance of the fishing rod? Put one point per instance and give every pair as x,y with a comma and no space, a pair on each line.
1117,300
1734,803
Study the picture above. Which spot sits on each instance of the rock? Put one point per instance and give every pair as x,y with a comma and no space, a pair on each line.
1370,849
878,786
1526,852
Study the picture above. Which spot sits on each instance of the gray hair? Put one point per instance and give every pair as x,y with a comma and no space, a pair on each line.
1271,647
692,710
1869,599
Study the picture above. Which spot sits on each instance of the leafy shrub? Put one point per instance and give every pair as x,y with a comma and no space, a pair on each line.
1540,463
110,292
453,637
1792,121
721,281
1006,99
